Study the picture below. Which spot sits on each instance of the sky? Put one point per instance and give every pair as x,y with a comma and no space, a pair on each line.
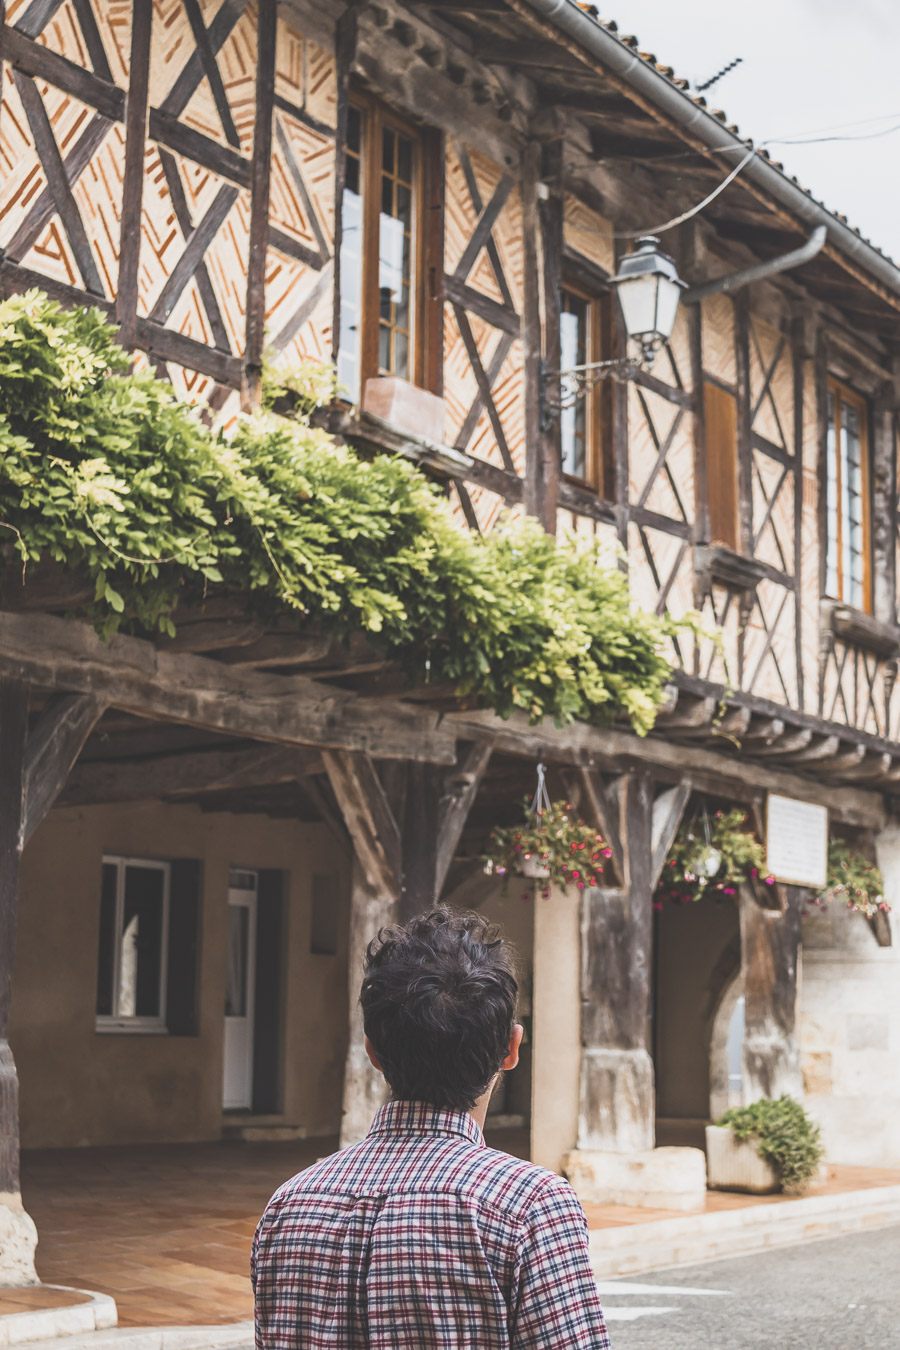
810,68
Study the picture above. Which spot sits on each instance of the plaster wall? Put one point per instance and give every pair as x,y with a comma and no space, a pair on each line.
850,1027
81,1087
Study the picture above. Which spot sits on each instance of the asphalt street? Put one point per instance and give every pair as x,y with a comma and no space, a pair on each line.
844,1292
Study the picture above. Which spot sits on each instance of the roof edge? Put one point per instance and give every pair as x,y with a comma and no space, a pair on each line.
599,42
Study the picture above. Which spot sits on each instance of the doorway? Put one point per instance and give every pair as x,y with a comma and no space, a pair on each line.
240,990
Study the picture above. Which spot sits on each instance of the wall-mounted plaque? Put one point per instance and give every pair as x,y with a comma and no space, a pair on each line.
796,841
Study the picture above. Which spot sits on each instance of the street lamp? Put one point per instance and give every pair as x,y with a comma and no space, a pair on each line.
649,289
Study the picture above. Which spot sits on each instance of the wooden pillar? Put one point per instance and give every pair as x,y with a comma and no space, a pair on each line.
364,1087
617,1096
17,1233
551,212
531,332
770,954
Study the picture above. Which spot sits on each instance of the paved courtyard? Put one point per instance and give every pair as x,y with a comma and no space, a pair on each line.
166,1229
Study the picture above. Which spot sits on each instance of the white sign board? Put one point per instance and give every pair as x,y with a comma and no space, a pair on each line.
796,841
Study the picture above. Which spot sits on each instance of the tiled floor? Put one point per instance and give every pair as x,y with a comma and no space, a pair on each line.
166,1229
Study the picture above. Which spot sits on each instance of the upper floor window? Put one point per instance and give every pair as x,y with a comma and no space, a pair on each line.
585,442
848,571
134,922
381,290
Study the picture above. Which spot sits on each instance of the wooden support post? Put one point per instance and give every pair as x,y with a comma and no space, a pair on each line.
551,221
531,332
133,179
617,1095
259,203
770,953
364,1087
17,1233
617,1100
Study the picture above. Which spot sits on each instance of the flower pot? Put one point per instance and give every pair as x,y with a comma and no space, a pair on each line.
533,867
735,1165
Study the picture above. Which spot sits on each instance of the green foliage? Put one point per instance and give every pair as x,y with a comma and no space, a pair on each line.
853,881
556,841
784,1134
106,472
711,855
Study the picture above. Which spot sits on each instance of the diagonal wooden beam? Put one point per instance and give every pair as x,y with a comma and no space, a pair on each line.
483,227
604,806
51,750
58,183
211,71
43,208
492,250
92,39
484,385
668,810
37,16
218,32
495,365
195,247
186,225
369,819
462,786
303,194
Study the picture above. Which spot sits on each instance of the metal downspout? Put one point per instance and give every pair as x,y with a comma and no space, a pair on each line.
735,280
597,42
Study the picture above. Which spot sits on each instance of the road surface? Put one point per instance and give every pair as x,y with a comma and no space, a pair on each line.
841,1294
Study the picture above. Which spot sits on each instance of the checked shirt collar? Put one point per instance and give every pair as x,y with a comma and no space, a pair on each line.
397,1118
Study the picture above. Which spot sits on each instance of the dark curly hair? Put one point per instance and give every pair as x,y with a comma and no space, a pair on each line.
439,1001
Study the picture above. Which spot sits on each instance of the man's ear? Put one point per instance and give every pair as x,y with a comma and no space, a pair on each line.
370,1051
515,1041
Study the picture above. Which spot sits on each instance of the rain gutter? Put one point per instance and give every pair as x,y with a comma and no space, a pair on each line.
680,108
761,272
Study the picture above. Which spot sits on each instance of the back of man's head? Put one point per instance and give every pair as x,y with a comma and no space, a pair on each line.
439,1001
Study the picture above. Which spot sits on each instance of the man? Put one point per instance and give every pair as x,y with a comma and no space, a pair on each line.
421,1237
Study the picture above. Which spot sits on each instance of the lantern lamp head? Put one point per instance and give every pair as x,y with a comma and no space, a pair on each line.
649,290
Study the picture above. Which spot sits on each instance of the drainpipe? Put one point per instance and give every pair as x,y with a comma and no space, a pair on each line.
646,80
735,280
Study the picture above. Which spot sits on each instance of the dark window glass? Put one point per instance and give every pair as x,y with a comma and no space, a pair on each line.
323,937
141,953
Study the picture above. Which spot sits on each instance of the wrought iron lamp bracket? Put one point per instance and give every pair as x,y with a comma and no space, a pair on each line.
577,382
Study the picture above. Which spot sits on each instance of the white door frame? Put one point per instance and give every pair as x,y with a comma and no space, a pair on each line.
237,1070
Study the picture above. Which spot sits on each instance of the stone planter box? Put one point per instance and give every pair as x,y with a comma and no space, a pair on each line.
735,1165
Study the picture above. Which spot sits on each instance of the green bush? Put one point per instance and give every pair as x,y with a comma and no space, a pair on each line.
784,1134
109,474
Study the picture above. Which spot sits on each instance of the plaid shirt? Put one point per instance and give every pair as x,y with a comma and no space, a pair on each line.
421,1237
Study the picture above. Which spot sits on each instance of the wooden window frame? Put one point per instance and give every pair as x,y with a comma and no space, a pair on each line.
845,394
376,116
599,477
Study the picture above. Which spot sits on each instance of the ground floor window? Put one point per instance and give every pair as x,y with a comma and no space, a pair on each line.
134,923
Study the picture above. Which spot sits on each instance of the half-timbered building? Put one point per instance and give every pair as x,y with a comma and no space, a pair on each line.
435,196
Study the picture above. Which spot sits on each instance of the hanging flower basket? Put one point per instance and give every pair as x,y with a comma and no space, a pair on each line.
552,844
853,881
712,855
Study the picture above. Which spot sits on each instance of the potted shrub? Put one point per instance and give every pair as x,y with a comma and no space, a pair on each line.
768,1146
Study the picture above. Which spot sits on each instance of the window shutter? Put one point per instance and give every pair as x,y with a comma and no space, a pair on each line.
184,946
267,1024
721,466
